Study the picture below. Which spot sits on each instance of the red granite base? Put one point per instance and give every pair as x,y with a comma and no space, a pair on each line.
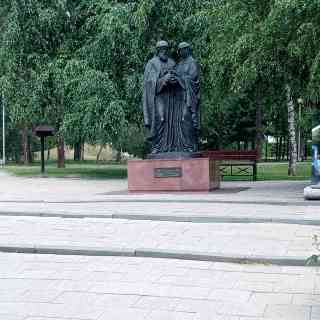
195,174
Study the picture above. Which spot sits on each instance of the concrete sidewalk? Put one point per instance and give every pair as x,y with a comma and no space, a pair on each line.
175,210
148,221
75,190
60,287
228,240
93,288
240,200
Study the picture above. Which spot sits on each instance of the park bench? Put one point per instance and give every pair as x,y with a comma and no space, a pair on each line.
235,163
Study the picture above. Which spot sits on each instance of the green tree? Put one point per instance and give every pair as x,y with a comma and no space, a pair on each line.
266,50
19,60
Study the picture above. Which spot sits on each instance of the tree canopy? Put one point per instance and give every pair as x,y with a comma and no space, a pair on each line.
78,65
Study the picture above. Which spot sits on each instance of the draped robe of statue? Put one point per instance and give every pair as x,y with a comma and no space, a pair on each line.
187,104
171,110
158,105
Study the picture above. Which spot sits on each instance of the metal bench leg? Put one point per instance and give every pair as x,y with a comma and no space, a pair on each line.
255,171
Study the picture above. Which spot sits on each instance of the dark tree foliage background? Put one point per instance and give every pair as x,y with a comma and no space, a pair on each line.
78,65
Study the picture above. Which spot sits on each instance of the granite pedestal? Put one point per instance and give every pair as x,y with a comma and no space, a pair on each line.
194,174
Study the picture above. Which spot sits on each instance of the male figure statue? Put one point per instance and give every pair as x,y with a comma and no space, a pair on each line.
158,98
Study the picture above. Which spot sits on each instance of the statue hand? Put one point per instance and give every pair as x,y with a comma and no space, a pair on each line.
167,77
173,77
173,80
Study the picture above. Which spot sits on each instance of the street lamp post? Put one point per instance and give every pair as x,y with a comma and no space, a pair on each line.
300,103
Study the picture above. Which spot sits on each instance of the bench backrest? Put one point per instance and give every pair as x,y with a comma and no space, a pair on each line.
252,155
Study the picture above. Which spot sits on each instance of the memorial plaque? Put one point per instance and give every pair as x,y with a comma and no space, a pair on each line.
167,172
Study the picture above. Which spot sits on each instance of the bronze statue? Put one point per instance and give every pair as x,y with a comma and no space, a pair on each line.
188,95
171,102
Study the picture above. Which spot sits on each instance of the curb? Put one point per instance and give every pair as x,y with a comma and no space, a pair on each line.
302,203
215,257
215,219
168,218
67,250
55,215
151,253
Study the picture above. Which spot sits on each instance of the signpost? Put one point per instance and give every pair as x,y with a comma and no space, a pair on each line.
42,132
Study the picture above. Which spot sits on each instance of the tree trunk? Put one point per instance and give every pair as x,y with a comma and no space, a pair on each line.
281,155
285,149
118,156
305,151
302,149
277,149
266,150
30,154
99,152
292,134
259,127
77,151
61,153
82,151
24,142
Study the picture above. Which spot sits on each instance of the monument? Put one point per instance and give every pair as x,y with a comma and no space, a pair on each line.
171,107
171,103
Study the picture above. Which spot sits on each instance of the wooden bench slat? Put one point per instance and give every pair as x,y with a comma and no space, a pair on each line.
230,155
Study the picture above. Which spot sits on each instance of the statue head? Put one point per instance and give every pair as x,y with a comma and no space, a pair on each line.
163,50
184,50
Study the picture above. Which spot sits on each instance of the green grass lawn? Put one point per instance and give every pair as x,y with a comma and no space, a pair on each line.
89,169
82,170
279,171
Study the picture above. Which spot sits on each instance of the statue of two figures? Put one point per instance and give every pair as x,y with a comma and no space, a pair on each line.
171,99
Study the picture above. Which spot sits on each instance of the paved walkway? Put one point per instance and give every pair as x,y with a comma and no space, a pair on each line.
62,190
266,200
269,240
59,287
162,209
47,287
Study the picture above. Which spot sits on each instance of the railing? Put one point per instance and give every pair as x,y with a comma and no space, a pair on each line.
235,163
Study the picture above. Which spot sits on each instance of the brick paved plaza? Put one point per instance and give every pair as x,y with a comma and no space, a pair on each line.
91,221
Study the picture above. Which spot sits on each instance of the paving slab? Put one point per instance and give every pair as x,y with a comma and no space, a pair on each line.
275,201
148,210
153,289
100,216
66,189
159,237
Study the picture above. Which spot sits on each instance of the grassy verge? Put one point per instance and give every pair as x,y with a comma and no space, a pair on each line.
89,169
279,171
79,170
